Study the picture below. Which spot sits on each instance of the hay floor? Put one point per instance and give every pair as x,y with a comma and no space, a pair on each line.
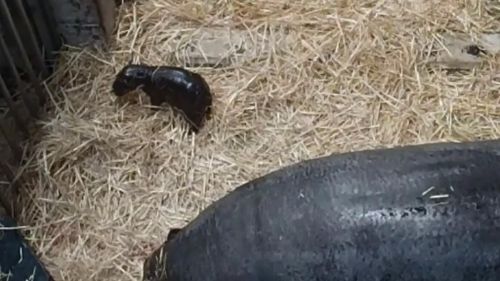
105,182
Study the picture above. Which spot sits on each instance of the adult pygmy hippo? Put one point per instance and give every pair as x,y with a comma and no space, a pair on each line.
426,212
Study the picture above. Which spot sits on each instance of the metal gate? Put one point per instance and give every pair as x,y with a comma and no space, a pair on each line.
31,34
29,41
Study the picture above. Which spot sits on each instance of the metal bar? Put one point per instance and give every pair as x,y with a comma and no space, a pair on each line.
13,186
48,13
5,51
16,149
7,171
4,9
36,14
31,36
15,112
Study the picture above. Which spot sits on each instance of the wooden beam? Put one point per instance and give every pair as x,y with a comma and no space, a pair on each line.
107,14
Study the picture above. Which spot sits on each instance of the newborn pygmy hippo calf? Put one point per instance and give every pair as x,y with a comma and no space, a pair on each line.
184,90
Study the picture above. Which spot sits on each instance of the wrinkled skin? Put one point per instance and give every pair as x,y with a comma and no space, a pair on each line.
184,90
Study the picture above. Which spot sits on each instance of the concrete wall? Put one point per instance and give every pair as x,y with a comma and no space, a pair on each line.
84,22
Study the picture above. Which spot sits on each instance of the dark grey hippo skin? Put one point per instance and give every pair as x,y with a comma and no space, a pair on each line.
415,213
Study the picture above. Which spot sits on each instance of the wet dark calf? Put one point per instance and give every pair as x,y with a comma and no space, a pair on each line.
184,90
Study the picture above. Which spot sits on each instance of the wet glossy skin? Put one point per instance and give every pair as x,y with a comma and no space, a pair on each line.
178,87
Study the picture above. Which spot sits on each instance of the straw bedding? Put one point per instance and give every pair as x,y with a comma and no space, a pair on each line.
105,181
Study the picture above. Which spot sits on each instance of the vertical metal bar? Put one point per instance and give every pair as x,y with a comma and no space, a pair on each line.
4,200
8,206
16,149
5,51
15,112
51,22
7,172
31,36
35,13
4,9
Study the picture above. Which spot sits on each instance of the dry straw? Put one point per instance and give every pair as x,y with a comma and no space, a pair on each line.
104,181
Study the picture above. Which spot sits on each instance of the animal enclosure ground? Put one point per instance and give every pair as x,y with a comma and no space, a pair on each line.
104,182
